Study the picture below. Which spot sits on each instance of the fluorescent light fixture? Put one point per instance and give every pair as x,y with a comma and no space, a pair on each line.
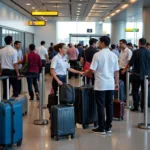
125,6
133,1
33,7
112,14
117,11
28,4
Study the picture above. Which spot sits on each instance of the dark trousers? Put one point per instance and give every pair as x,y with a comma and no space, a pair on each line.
19,86
123,78
12,81
43,63
73,64
104,99
91,80
136,83
32,81
55,84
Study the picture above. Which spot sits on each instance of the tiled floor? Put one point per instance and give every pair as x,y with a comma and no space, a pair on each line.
125,136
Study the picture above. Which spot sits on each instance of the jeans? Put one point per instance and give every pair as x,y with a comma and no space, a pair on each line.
136,83
32,81
104,99
55,84
12,81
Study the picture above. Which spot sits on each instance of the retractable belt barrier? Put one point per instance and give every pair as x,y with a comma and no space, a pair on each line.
144,125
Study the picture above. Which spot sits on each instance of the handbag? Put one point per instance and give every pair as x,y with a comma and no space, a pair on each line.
24,68
87,66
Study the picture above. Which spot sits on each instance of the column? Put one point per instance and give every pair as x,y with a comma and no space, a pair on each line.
117,31
99,28
146,23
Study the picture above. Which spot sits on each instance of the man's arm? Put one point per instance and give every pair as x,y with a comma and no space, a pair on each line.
116,80
16,69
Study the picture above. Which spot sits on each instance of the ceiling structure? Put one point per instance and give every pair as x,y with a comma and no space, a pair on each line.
82,10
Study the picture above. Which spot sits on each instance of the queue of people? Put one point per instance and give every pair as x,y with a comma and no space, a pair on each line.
106,67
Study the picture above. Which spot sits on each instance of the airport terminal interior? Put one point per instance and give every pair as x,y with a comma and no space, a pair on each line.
75,22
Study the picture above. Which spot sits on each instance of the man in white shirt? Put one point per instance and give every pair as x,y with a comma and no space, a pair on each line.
9,66
43,52
124,58
106,69
17,46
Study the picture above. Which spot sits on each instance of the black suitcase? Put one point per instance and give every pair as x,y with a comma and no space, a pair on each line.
85,106
62,121
52,100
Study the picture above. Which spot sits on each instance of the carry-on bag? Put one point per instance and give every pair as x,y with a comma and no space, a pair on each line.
118,107
11,121
62,121
85,106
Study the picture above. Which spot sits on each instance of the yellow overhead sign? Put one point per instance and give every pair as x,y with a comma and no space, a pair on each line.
132,30
37,23
44,13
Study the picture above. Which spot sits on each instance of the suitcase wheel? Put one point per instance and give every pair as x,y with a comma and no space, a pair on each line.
72,136
57,138
19,143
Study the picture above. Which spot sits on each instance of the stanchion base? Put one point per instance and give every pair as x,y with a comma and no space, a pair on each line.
142,126
40,122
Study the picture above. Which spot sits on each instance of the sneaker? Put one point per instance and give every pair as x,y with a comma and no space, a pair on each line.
37,97
108,131
134,109
102,132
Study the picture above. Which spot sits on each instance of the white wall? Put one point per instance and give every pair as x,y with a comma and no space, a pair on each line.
13,19
47,33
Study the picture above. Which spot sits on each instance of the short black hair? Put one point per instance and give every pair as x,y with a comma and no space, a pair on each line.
123,41
42,42
17,42
129,44
32,47
113,46
147,44
59,46
79,44
52,44
8,40
142,41
92,41
105,40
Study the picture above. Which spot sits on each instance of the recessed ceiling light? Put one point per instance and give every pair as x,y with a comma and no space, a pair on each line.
45,20
125,6
79,8
78,11
133,1
28,4
117,11
112,14
78,14
33,7
79,4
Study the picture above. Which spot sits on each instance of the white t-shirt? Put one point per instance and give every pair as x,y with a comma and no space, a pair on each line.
8,57
20,57
60,64
42,51
104,63
125,57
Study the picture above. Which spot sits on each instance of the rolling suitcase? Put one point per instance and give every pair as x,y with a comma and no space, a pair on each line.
62,120
118,108
85,106
11,121
24,101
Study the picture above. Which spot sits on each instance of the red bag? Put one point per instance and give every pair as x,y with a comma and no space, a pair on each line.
87,66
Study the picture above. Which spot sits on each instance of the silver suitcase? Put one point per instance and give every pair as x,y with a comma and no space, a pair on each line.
24,101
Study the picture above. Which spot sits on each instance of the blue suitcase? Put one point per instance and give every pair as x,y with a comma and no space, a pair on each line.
11,123
62,121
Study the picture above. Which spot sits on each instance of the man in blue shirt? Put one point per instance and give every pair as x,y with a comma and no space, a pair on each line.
114,50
